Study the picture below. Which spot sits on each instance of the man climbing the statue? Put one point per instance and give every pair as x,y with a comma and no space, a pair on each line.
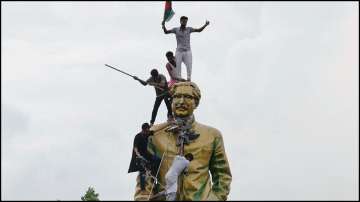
178,166
142,160
208,175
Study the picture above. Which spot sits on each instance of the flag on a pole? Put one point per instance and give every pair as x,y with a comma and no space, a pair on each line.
168,13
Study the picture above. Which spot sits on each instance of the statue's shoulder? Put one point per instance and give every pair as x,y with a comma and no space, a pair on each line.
159,128
208,129
159,132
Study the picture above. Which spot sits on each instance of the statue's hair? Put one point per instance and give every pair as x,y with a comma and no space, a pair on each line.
195,90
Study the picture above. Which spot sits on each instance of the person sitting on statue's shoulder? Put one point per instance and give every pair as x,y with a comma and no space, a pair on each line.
208,175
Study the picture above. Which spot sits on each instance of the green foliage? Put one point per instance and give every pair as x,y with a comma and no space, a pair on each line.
90,195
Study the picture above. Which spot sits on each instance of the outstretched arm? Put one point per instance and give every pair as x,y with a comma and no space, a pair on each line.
202,28
156,85
150,83
141,81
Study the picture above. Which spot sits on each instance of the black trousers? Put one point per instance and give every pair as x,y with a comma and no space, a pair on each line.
157,103
142,179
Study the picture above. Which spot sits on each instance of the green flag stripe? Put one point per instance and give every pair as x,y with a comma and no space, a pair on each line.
168,15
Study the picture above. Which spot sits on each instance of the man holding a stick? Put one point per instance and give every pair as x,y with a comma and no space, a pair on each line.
161,88
160,84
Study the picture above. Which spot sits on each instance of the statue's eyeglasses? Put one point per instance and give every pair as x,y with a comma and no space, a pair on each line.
183,96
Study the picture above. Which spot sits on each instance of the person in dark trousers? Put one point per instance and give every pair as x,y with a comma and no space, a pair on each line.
162,93
141,159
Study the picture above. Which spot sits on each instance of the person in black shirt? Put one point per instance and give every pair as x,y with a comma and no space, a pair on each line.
141,158
162,93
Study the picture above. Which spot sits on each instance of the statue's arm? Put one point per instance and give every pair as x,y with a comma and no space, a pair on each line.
220,170
143,195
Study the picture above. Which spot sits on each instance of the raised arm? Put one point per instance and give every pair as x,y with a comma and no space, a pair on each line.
202,28
164,28
220,171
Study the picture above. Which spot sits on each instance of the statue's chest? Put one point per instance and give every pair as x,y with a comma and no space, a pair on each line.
201,148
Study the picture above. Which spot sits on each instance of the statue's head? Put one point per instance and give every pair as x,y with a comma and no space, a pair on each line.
186,97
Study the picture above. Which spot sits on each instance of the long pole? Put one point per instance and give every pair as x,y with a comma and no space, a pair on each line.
119,70
134,78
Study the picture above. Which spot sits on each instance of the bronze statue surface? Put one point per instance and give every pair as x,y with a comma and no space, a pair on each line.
205,143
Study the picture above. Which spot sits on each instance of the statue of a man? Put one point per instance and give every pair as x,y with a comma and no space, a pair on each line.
186,136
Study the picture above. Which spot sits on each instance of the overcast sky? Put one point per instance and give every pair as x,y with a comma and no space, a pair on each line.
278,79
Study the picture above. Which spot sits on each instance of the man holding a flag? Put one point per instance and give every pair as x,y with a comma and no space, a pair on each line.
182,33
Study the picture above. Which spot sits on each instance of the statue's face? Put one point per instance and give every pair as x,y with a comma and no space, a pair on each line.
183,103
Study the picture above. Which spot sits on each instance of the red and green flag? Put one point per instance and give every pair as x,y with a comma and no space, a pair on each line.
168,13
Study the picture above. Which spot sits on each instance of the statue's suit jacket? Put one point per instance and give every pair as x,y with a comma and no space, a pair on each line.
209,157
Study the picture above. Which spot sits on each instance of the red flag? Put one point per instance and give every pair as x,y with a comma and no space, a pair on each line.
168,13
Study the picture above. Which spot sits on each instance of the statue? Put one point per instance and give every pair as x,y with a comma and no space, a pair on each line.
182,137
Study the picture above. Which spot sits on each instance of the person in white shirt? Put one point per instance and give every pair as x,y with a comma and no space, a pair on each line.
178,166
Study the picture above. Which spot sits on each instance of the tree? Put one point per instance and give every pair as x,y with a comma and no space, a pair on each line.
90,195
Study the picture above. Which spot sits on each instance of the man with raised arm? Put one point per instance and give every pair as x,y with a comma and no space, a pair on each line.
183,50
